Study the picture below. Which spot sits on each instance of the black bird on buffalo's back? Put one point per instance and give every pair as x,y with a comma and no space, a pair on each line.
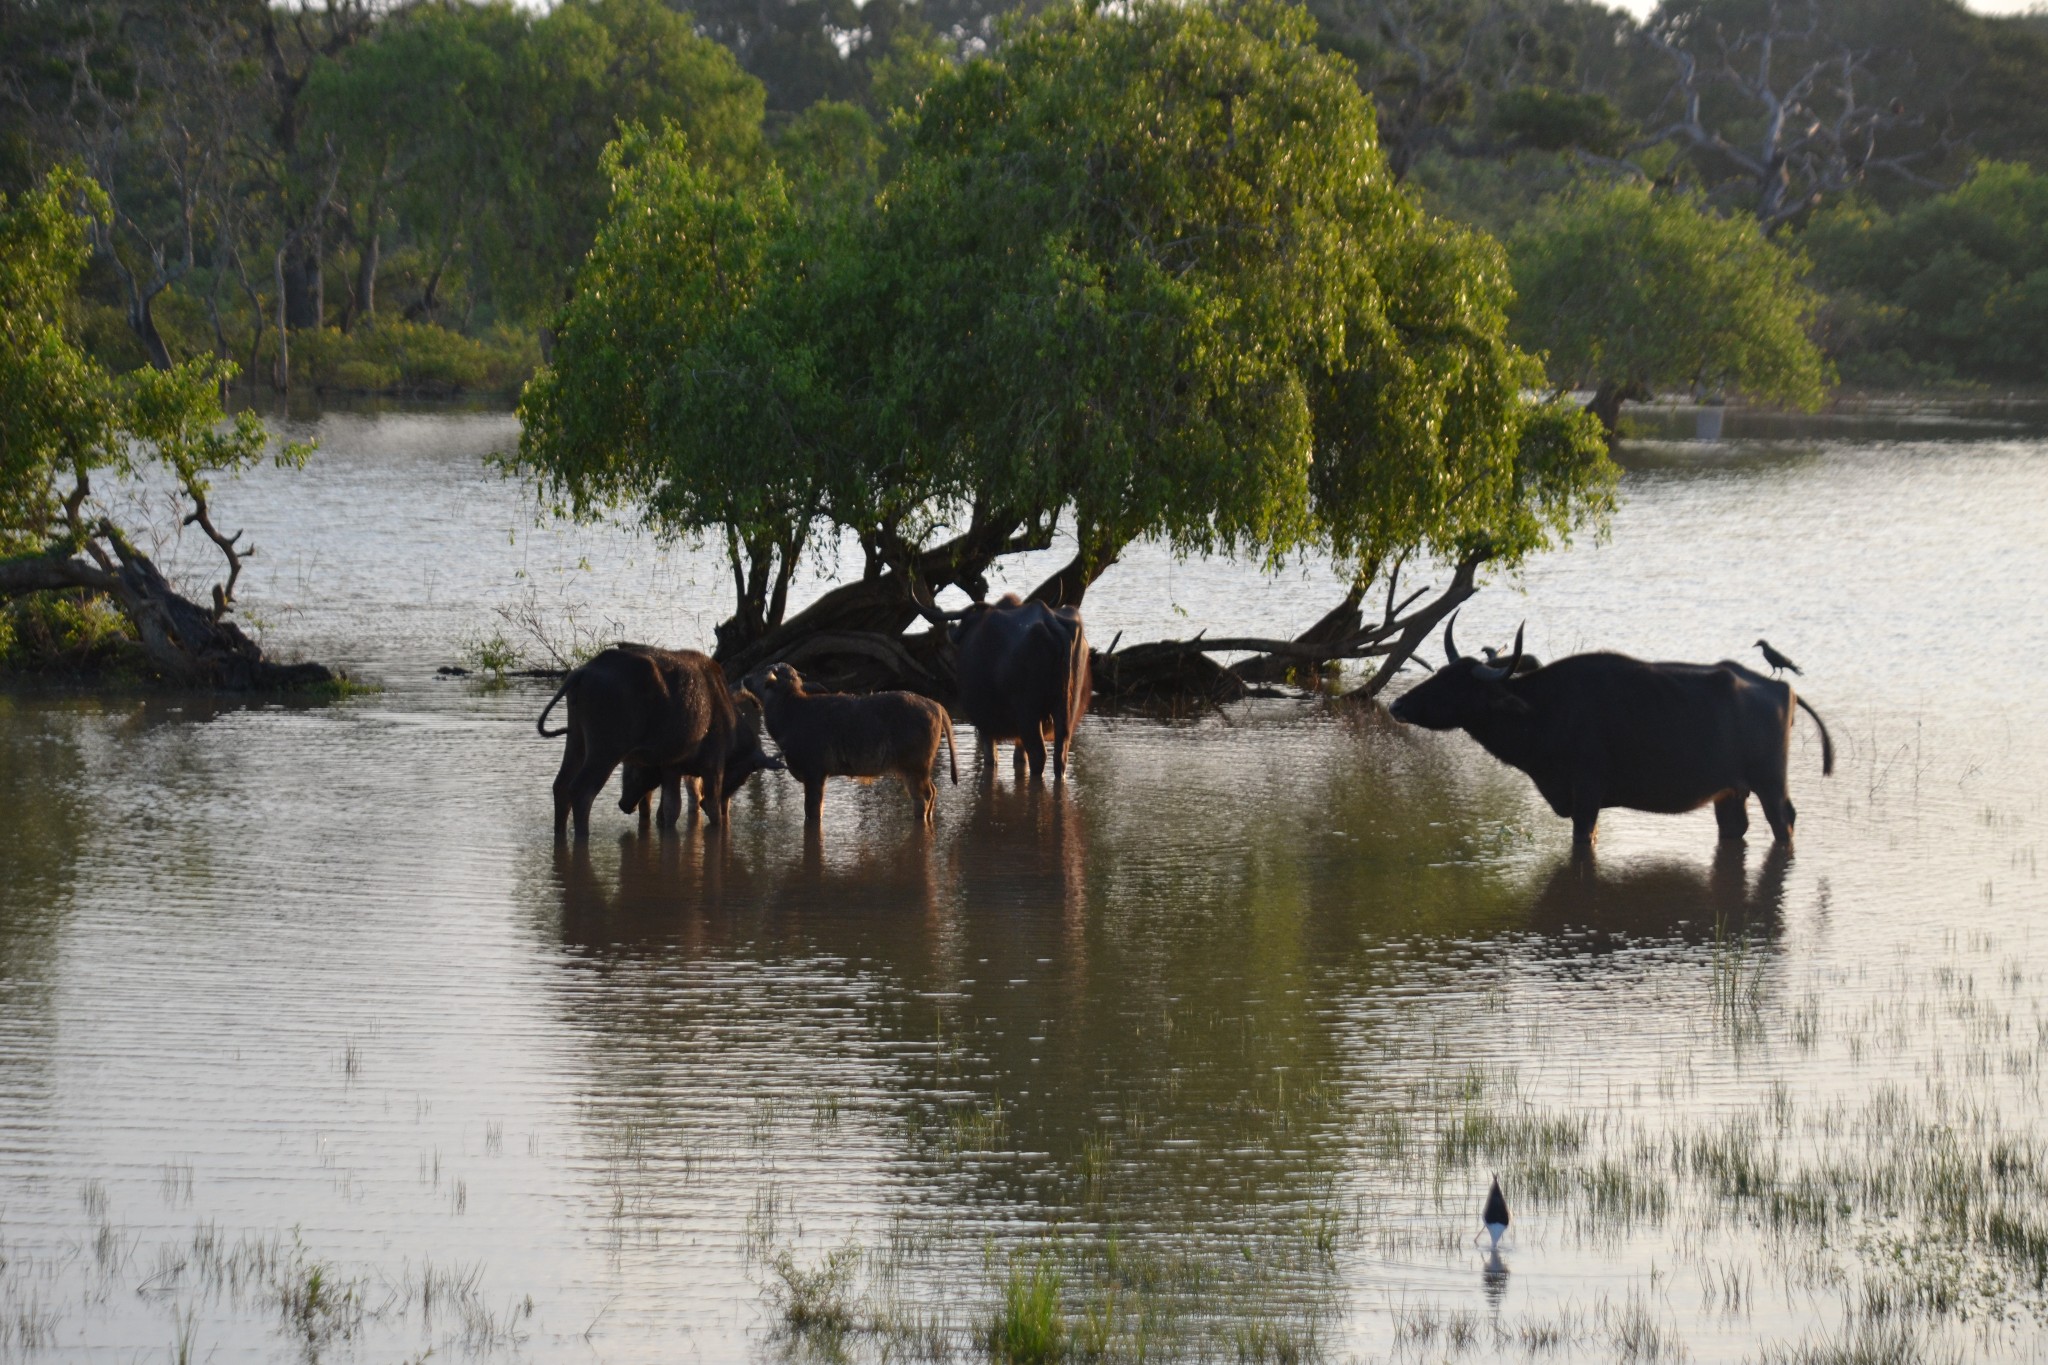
1601,730
1778,662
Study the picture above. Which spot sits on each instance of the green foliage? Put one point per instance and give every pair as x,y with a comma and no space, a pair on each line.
59,633
482,123
587,67
1555,120
1631,287
1957,284
388,354
62,415
1143,269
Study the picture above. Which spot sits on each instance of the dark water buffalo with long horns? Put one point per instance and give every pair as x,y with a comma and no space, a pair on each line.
661,709
743,759
1600,730
1024,678
837,734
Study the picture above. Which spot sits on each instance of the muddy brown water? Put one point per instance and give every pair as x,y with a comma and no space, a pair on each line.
313,1043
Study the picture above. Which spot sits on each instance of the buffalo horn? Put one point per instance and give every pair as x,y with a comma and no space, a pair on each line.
1496,672
1451,654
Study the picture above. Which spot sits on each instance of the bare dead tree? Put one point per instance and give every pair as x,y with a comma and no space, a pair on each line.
1817,126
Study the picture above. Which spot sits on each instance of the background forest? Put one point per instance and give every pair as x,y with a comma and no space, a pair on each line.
364,196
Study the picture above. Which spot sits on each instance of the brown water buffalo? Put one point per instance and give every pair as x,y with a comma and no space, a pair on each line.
834,734
667,710
1023,670
1600,730
681,792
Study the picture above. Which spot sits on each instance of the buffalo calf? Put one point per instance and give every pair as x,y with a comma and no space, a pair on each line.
832,734
744,758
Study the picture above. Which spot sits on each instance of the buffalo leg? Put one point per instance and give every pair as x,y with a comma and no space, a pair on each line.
1585,824
1061,739
1731,813
1778,812
589,782
671,801
923,794
1033,748
711,796
1017,759
814,800
565,782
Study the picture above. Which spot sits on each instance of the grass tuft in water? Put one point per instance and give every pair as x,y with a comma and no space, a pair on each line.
1027,1327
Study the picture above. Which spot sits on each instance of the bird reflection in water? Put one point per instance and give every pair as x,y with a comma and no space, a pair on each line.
1493,1279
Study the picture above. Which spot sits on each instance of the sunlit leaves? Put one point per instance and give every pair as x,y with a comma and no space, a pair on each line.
1624,284
1143,269
61,413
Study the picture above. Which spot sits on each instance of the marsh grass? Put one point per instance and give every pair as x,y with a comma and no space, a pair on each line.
314,1304
1027,1327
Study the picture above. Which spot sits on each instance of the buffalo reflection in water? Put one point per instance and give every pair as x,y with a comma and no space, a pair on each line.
1663,900
1015,868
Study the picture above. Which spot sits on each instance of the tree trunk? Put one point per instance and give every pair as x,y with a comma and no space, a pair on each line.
372,257
187,644
1092,558
281,372
1607,401
1341,622
1420,625
882,606
423,309
142,321
305,303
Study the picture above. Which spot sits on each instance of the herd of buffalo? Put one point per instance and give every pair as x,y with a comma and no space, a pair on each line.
1592,730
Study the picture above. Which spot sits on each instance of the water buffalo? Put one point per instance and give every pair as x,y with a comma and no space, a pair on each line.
1599,730
743,759
663,709
833,734
1023,671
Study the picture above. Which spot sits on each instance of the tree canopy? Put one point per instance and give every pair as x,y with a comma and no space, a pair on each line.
1143,272
1628,290
1957,284
64,419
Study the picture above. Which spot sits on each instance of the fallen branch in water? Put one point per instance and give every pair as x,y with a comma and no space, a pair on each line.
1182,669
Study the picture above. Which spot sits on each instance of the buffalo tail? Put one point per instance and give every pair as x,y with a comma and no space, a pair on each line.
952,750
541,724
1827,745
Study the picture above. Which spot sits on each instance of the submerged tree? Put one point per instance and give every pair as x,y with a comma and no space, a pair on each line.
1141,274
64,420
1629,290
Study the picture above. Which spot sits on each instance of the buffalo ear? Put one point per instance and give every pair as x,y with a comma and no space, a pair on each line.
1504,700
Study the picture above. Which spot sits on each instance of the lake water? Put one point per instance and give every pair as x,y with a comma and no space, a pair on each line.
313,1044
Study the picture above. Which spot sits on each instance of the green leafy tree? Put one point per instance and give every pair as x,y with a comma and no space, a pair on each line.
1141,274
424,115
587,68
1627,290
1954,285
64,420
